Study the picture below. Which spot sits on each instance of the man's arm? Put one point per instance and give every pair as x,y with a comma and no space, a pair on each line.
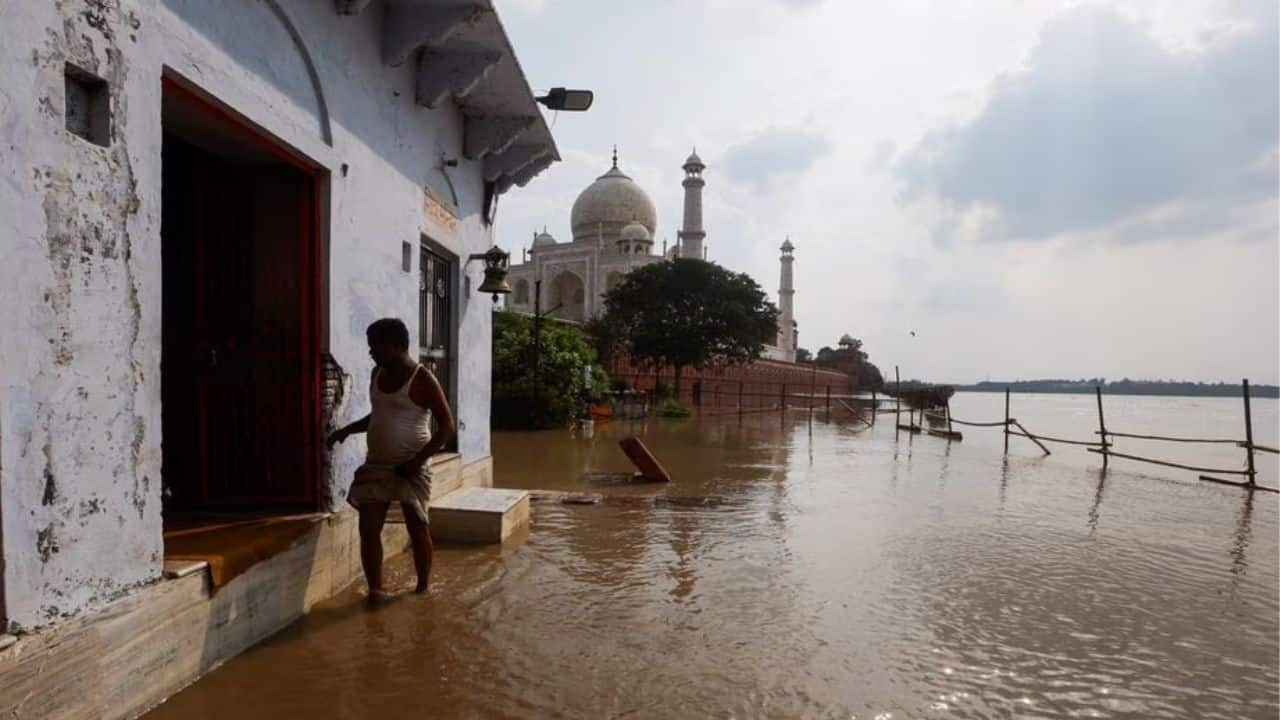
359,426
427,393
342,433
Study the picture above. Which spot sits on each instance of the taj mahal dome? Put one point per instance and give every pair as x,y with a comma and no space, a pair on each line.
614,223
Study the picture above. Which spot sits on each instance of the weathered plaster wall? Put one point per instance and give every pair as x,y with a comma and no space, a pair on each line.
79,338
80,435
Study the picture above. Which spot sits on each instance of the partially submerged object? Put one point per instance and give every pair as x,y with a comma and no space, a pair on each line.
648,465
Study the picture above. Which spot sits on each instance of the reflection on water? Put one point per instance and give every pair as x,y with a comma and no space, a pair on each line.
836,572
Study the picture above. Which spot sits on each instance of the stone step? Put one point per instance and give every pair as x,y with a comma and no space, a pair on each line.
479,515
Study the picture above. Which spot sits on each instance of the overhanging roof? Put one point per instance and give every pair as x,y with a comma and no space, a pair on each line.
462,54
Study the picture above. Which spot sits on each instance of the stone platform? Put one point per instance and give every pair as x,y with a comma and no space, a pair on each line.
479,515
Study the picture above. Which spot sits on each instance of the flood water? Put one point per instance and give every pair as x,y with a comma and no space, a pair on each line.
824,569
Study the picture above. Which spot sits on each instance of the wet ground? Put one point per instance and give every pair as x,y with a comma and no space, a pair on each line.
814,570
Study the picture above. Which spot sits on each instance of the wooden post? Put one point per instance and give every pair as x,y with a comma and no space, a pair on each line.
828,402
897,401
1102,426
739,397
1248,432
947,409
813,388
1032,437
875,407
782,396
1006,421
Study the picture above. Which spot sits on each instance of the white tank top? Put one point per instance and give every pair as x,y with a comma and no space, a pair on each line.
398,426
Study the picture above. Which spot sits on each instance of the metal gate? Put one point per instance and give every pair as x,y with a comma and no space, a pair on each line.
437,345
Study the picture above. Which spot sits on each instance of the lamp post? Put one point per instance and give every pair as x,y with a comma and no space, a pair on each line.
537,335
569,100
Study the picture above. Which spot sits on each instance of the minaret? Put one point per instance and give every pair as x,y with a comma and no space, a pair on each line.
691,234
786,310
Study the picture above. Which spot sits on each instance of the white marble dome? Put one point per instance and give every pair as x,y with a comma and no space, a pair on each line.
635,232
611,202
543,239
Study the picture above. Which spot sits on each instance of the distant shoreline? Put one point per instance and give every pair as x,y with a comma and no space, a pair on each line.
1133,389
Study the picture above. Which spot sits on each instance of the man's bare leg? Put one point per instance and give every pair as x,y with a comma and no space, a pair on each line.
420,536
372,517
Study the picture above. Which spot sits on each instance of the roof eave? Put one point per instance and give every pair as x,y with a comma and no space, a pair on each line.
463,55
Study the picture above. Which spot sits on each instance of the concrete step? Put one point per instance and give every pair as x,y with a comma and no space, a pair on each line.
479,515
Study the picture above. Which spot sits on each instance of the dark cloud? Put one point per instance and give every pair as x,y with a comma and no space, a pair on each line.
1105,125
773,153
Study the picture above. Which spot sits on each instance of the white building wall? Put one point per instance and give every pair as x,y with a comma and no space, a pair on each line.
80,435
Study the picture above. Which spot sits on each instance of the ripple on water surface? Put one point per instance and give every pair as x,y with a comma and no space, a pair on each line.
841,573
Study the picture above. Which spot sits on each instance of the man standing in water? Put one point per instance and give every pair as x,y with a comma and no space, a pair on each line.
404,396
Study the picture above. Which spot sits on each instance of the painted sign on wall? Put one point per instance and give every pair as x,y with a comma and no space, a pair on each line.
438,212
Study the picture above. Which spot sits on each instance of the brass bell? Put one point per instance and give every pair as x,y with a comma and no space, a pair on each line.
495,272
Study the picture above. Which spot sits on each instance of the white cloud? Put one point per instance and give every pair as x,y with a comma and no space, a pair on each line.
873,86
773,155
1105,124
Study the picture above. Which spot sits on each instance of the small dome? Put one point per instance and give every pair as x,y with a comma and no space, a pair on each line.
610,202
693,159
543,239
787,246
846,340
634,232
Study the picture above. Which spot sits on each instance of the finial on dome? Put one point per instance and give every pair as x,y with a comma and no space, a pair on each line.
615,156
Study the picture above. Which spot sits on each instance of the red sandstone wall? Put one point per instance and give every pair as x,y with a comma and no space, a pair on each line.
757,385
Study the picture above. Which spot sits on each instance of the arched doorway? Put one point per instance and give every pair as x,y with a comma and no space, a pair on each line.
568,297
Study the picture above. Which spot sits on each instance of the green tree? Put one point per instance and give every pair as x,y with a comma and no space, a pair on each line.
687,312
568,377
803,355
852,360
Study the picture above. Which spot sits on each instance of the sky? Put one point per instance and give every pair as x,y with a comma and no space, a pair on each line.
1036,189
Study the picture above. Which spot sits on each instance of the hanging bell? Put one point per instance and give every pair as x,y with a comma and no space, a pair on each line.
495,273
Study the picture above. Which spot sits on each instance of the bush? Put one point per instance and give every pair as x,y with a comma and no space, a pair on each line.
673,409
568,377
515,408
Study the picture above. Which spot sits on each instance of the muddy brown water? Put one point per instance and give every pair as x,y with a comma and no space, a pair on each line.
834,572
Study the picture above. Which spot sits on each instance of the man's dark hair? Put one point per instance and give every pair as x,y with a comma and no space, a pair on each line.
390,330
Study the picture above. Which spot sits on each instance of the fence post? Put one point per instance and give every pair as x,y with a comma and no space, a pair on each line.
1006,421
828,402
1102,427
947,408
875,407
739,397
897,401
1248,432
783,398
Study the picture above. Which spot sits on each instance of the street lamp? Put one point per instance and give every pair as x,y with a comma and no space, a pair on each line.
495,271
569,100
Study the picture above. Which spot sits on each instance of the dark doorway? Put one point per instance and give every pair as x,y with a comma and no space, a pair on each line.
240,367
